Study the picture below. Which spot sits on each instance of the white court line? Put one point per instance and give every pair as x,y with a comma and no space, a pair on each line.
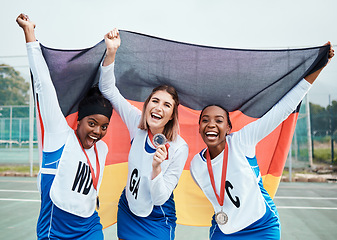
19,200
306,208
278,207
306,198
18,181
19,191
310,187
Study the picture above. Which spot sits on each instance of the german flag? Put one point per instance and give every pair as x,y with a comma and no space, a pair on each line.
246,82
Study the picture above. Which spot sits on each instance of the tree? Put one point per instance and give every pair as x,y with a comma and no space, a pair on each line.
332,111
13,88
319,118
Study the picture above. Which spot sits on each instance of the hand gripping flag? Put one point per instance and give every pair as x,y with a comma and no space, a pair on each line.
246,82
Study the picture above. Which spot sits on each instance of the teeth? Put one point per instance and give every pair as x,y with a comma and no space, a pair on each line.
156,115
95,138
211,134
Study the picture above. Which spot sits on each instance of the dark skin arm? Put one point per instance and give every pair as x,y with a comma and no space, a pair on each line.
312,77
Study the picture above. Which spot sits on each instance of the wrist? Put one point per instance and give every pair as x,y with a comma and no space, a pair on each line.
29,34
155,171
111,50
155,166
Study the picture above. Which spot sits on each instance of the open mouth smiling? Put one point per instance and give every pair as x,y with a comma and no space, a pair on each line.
156,116
94,138
211,135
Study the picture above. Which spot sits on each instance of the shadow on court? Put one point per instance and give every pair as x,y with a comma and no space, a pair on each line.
307,211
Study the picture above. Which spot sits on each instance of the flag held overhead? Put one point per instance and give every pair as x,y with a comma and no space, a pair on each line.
246,82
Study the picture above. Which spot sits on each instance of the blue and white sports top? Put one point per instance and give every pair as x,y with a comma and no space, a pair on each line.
244,202
142,192
72,189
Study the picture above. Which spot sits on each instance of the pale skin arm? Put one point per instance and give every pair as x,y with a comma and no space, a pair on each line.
27,26
112,42
312,77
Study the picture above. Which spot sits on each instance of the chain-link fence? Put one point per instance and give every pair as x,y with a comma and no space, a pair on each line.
15,135
309,148
306,149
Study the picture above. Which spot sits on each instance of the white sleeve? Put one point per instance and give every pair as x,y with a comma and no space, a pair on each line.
128,113
257,130
54,122
163,185
192,171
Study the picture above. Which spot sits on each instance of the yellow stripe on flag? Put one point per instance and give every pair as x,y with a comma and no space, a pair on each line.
113,183
193,208
270,183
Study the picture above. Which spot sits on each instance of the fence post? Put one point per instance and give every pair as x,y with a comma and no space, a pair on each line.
31,128
331,130
290,163
307,107
10,126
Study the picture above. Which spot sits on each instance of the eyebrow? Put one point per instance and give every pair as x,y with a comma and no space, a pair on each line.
93,119
156,98
215,116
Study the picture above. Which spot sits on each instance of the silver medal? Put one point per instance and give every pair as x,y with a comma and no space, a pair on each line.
221,218
159,139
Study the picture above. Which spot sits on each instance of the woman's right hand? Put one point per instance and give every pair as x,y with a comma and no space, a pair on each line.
112,42
24,22
27,26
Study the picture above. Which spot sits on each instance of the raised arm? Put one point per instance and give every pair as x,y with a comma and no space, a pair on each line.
107,85
256,131
112,42
312,77
53,120
27,26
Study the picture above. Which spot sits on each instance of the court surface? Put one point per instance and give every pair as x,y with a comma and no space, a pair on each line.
307,211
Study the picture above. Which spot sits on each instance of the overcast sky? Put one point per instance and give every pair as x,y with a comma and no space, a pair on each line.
257,24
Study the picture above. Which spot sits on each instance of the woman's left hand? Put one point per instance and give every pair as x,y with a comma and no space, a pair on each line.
159,156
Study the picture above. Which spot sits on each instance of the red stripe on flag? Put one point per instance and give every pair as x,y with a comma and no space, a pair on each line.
271,151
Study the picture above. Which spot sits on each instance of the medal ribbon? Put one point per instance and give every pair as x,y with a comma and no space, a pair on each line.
223,175
94,178
167,145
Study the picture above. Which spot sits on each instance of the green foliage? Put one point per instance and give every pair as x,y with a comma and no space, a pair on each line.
319,120
332,111
323,120
13,88
323,155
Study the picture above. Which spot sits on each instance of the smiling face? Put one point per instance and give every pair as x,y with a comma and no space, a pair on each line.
91,129
213,128
159,111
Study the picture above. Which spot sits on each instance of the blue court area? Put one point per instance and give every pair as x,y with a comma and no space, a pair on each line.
307,210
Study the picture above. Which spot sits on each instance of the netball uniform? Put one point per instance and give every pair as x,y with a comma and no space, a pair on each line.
250,210
146,208
68,198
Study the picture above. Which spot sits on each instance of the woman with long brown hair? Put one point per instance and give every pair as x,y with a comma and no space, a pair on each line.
146,208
